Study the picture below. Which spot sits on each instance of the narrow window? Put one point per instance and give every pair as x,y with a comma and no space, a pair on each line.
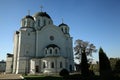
28,23
36,68
38,22
11,66
52,65
61,65
43,64
24,22
56,51
50,51
28,34
45,51
62,29
27,52
65,30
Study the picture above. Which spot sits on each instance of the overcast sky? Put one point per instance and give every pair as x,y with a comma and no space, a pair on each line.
96,21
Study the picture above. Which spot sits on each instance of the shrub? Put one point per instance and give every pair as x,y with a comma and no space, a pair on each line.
64,72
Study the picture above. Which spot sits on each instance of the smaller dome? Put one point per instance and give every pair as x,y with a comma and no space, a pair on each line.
28,16
63,25
43,14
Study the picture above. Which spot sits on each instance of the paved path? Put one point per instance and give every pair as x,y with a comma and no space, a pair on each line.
10,77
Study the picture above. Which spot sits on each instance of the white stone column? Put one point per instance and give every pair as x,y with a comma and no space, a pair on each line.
18,54
16,41
32,66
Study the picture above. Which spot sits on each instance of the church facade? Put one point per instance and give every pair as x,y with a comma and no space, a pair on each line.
41,47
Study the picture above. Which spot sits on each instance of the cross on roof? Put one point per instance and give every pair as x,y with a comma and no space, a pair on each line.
62,20
41,7
28,12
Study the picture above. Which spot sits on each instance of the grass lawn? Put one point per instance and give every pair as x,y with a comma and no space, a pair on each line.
43,78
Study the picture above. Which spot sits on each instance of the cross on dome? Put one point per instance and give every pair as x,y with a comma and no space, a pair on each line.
28,12
62,20
41,7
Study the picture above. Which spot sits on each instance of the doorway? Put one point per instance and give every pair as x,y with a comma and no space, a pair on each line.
36,69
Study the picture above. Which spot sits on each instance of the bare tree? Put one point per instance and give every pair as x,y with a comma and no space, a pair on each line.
80,46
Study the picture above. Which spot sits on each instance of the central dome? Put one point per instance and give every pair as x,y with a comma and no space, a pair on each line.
43,14
28,16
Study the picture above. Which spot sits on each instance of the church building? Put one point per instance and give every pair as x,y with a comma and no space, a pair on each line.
41,47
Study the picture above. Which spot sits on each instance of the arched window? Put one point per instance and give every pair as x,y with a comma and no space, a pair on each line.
28,23
45,51
65,30
28,34
61,65
38,22
52,64
24,22
62,29
44,65
56,51
50,51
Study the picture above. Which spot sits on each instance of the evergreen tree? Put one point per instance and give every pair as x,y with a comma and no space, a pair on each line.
104,66
84,66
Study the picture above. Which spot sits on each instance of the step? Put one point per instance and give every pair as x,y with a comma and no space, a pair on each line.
11,76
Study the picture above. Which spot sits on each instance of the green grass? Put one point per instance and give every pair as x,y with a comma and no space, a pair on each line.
43,78
57,77
52,77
